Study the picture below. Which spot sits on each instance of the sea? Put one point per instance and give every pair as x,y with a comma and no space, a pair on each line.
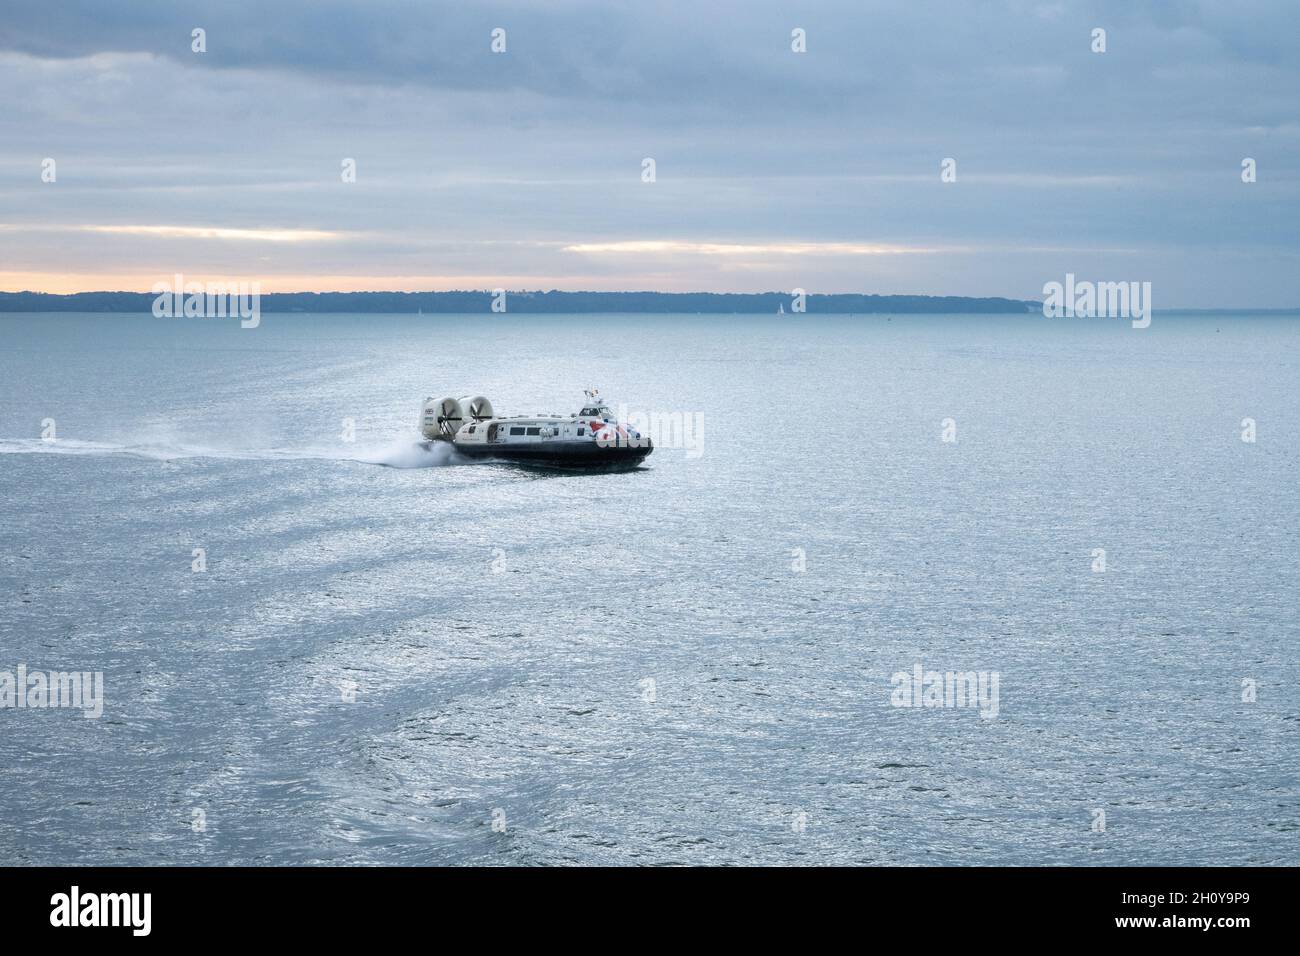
891,590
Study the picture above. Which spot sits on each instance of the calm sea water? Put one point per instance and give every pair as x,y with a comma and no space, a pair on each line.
628,668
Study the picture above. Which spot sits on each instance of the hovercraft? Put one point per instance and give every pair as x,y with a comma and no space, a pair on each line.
590,438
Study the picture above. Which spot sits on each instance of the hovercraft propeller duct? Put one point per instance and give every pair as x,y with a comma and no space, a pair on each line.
441,418
476,407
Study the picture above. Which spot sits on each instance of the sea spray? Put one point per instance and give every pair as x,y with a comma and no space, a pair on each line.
407,454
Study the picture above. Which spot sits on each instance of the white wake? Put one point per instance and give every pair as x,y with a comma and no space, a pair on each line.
401,453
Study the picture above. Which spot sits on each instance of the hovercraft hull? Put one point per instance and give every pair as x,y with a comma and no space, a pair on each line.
559,454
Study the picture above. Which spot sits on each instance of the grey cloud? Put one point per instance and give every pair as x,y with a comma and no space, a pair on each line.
1058,148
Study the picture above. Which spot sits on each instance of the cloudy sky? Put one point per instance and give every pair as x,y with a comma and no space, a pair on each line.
774,169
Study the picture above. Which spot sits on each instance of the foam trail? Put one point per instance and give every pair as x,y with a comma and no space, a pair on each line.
401,453
408,454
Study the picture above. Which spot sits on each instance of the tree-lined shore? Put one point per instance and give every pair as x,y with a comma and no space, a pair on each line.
538,302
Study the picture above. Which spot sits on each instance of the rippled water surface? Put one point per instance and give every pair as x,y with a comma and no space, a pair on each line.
627,668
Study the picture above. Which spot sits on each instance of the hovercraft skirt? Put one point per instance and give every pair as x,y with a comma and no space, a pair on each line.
559,454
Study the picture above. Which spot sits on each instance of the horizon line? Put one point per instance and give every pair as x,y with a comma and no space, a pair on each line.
4,293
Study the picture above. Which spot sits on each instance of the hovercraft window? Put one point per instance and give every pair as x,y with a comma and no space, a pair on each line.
534,431
471,428
516,431
581,432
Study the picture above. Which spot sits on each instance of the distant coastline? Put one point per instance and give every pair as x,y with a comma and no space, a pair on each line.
721,303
